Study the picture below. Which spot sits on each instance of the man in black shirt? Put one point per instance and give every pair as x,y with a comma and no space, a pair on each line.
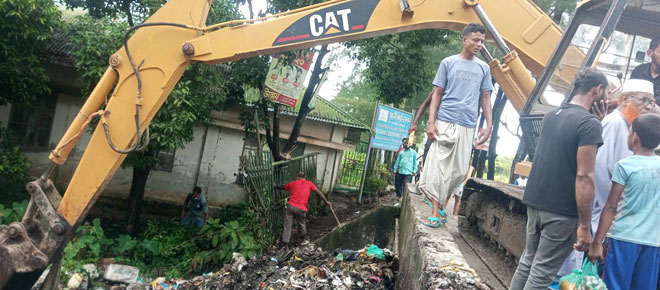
651,71
560,190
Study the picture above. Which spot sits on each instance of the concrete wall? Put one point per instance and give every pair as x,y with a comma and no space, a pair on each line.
425,252
219,165
210,160
377,226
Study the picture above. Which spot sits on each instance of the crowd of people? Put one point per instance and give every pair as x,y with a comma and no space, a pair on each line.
594,186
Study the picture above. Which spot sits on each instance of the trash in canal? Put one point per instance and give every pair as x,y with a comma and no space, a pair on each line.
305,267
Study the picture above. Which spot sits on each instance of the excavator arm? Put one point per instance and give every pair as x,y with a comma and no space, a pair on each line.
142,74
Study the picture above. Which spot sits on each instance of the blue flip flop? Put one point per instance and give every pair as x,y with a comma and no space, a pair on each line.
430,223
444,219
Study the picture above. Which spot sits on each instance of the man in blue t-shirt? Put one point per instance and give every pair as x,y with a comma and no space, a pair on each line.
198,212
633,212
461,82
404,167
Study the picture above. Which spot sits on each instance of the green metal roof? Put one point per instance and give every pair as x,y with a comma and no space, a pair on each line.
58,45
325,111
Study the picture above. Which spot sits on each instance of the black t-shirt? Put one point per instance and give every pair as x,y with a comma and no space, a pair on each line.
643,72
551,184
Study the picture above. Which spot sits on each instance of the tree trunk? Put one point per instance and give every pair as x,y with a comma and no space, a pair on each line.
126,6
249,3
136,198
498,108
317,75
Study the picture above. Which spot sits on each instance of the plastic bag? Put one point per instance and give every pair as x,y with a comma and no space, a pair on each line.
571,281
375,251
346,254
583,279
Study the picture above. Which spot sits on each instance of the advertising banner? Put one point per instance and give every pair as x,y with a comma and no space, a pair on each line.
284,82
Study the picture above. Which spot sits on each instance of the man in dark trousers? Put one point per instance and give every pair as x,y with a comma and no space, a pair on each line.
560,191
404,167
651,71
297,206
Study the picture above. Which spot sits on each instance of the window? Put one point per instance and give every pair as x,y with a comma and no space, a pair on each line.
32,124
622,53
165,160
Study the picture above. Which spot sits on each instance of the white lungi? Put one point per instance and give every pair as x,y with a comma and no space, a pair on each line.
447,161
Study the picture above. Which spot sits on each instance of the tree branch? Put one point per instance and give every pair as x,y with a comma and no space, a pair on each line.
269,137
307,98
277,154
126,6
506,126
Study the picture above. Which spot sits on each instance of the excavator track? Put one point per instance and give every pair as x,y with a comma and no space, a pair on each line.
496,210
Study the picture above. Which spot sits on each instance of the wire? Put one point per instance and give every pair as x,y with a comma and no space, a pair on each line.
136,69
138,103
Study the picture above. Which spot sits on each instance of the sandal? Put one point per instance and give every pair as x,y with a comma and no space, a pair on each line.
444,217
433,222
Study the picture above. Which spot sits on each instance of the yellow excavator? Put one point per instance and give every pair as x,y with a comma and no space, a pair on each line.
538,55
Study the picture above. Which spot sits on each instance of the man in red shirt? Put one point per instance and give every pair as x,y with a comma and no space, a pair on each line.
297,207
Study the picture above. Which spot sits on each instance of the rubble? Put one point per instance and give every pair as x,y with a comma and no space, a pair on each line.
306,267
121,273
75,281
91,271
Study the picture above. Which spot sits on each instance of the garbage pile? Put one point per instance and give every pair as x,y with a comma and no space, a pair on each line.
306,267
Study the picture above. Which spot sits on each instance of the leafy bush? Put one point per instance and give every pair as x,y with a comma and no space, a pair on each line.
26,26
14,168
164,248
378,180
14,213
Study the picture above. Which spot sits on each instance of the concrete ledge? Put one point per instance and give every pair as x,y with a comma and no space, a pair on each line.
429,258
376,226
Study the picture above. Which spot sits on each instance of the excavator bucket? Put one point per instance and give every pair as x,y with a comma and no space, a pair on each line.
28,246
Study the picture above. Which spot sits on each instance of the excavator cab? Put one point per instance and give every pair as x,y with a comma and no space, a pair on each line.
613,35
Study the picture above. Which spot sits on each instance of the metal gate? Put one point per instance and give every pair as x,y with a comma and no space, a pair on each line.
351,168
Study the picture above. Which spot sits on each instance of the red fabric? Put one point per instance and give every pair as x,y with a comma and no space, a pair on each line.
300,190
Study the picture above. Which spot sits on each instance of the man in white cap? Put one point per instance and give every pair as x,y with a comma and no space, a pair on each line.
636,99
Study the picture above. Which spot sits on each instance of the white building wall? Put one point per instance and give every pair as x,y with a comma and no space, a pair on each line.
211,160
174,186
220,164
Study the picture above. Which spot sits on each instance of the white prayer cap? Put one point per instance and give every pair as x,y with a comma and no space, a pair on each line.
637,86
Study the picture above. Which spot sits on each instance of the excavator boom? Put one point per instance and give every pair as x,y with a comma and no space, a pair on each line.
142,74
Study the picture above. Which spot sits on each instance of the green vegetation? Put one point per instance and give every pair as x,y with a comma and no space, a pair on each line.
13,213
25,26
503,168
14,168
165,248
378,180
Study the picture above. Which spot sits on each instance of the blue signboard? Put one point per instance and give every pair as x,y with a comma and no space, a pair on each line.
391,125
